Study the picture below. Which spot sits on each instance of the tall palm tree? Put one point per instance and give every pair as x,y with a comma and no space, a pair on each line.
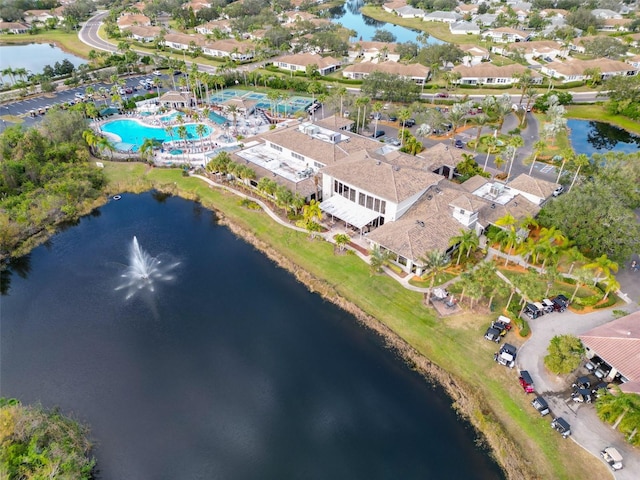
201,129
104,143
580,161
492,143
91,138
403,116
360,102
376,109
467,241
480,120
341,92
434,262
602,265
146,149
515,141
538,148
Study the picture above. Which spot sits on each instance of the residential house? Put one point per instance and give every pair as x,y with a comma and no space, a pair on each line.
615,25
488,74
391,7
605,13
573,70
464,28
144,34
196,5
13,27
38,16
230,48
486,19
536,190
473,54
466,9
127,21
374,51
618,344
409,12
547,49
299,62
293,17
579,44
444,17
506,35
175,99
550,13
635,39
634,61
415,71
222,26
182,41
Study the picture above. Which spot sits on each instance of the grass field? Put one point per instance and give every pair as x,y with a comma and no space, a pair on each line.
455,344
69,42
599,113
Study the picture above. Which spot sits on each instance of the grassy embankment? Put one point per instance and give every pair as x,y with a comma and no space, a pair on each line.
492,397
599,113
69,42
435,29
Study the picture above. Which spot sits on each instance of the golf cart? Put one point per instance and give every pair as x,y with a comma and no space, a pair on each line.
560,303
526,382
581,395
582,382
612,457
541,405
533,311
493,334
506,355
561,426
498,329
547,305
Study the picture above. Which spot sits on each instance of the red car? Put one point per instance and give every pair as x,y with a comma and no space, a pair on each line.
526,382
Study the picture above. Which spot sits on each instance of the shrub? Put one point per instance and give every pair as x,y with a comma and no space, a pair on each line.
565,354
610,302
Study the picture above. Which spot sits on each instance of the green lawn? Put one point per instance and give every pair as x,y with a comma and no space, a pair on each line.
69,42
599,113
436,29
455,343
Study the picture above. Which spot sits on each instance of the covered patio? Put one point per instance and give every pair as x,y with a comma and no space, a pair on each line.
355,216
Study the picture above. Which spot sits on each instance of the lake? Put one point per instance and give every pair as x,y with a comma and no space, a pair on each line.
226,368
34,57
596,137
349,16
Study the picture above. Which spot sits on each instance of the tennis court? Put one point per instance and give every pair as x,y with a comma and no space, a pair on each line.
288,107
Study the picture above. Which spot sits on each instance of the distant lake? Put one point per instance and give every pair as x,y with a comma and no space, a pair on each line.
349,16
34,56
220,367
597,137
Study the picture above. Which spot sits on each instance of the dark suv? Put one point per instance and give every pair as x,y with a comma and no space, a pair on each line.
378,134
409,123
560,303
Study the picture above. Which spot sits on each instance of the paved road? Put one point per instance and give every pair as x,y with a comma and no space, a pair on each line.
587,429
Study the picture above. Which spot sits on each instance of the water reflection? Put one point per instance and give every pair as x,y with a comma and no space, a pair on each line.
20,266
596,137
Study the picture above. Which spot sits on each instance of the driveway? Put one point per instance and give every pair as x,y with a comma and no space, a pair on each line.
587,430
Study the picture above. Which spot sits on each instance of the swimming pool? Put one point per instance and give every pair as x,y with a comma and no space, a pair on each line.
135,133
219,119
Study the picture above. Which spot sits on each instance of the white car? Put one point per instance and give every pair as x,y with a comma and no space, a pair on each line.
558,191
157,73
80,96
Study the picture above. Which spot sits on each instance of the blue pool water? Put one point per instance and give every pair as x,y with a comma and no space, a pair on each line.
219,119
133,132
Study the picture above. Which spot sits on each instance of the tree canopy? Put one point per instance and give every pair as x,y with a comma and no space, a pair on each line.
565,354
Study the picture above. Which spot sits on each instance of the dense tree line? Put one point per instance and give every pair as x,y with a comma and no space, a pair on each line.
624,95
45,177
38,444
391,88
598,213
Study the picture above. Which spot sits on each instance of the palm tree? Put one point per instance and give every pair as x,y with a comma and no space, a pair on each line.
499,161
492,143
480,121
104,143
403,116
312,212
9,72
423,130
538,148
376,109
233,110
515,142
360,102
434,262
341,92
146,149
377,259
201,129
467,241
91,138
341,240
580,161
509,240
612,284
602,265
322,98
582,276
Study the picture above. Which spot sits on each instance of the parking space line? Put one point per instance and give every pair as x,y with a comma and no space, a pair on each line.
547,169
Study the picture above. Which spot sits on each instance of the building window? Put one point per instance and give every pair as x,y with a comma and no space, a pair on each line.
297,155
369,202
275,147
361,199
318,165
383,207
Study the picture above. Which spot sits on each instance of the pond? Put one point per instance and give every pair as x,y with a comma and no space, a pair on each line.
349,16
597,137
34,57
191,355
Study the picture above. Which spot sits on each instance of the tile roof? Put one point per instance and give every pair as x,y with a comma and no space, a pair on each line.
307,59
535,186
576,66
486,70
394,179
618,343
394,68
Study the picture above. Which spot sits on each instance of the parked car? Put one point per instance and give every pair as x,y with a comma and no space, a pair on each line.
157,73
561,426
458,143
612,457
558,191
442,95
526,382
541,405
378,134
393,118
582,382
532,311
493,334
80,96
506,355
409,122
128,90
560,303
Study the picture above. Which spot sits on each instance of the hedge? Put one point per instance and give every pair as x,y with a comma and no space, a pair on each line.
611,301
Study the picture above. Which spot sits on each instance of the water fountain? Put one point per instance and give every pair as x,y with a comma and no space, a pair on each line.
144,271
